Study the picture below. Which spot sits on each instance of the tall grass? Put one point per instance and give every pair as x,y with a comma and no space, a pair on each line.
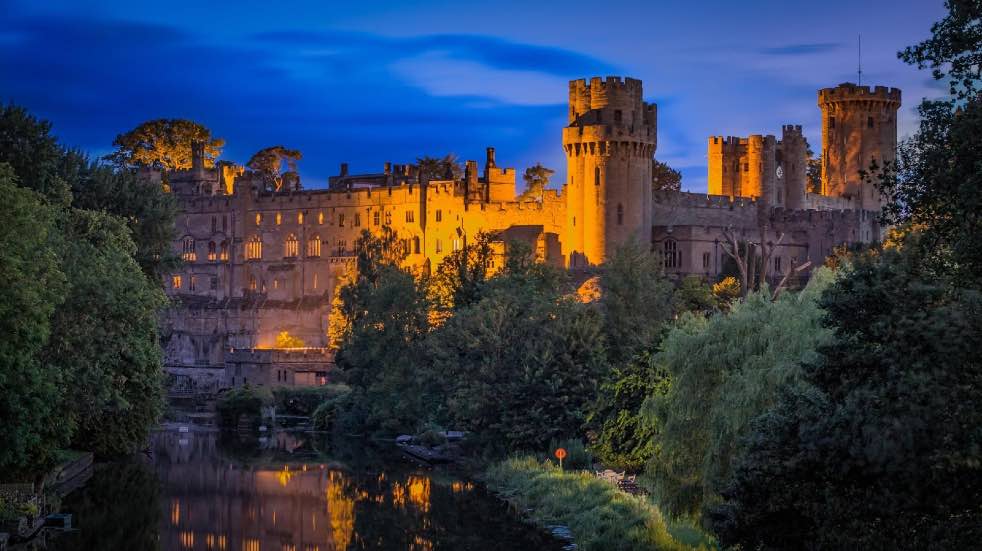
599,516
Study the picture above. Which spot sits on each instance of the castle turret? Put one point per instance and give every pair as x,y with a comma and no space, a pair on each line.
609,143
859,127
794,158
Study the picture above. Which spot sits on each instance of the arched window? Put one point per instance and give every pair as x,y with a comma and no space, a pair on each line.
254,248
279,219
416,245
314,246
211,251
673,256
223,251
341,247
188,255
620,214
320,218
259,218
300,217
292,247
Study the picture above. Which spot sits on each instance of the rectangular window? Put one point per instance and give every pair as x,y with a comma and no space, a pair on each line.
439,215
193,283
831,122
315,281
175,281
224,223
777,264
357,219
706,257
214,224
410,216
869,122
376,218
341,220
439,246
746,167
456,244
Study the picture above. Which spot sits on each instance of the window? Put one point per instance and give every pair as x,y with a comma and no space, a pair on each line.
388,218
254,248
439,215
314,246
276,284
341,247
214,283
416,245
376,218
175,281
357,220
618,115
620,214
212,255
315,281
292,247
252,283
279,219
189,255
223,255
214,224
831,122
746,167
777,264
259,218
673,257
439,246
410,216
193,283
224,223
596,176
341,220
320,218
706,257
869,122
456,244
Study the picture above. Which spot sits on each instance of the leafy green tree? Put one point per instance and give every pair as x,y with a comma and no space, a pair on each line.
148,210
813,174
385,315
954,49
268,162
636,300
104,336
664,177
35,156
880,448
459,279
33,287
165,144
536,179
694,295
624,438
439,168
724,371
521,366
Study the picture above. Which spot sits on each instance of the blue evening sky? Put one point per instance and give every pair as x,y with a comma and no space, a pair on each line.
368,82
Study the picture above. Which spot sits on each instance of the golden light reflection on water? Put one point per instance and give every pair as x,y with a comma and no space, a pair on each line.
341,511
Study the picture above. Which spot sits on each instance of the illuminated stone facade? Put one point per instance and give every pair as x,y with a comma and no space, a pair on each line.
258,263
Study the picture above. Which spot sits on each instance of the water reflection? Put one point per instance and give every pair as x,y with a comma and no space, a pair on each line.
202,491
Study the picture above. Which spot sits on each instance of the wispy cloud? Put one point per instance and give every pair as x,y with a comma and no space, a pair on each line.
802,49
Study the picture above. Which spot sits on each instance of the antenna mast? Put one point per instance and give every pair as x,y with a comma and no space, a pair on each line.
860,57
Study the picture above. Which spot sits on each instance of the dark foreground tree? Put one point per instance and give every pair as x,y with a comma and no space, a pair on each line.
33,286
880,449
104,337
664,177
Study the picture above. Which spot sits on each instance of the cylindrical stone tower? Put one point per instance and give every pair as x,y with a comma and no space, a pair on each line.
610,143
859,127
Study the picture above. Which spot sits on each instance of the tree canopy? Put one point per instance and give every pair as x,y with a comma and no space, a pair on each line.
664,177
165,144
536,179
269,163
439,168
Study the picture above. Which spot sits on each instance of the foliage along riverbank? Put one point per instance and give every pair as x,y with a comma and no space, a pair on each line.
599,516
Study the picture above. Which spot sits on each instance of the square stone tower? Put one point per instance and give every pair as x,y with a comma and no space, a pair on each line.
609,143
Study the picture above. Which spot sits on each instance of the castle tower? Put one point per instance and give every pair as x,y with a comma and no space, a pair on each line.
743,167
609,145
794,160
859,126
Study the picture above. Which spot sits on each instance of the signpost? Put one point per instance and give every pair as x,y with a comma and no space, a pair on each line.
560,454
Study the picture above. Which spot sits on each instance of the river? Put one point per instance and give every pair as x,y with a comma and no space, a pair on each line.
286,492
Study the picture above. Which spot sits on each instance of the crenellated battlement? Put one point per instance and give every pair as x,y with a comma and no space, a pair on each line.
848,91
791,131
685,199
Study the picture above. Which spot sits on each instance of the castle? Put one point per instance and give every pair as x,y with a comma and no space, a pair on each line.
260,262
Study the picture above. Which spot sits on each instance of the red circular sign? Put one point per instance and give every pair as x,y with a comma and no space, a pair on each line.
560,453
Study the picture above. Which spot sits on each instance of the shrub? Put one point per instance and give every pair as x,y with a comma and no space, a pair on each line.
599,516
305,400
246,400
577,456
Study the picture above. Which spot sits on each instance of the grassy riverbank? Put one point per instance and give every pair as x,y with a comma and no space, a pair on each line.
599,516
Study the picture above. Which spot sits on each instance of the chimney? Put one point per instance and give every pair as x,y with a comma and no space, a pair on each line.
344,169
490,161
197,156
388,167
